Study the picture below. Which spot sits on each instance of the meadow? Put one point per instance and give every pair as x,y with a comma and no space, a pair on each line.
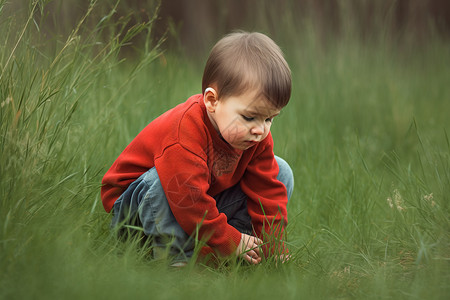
366,133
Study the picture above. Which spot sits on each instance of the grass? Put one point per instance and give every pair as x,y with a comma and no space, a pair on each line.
366,133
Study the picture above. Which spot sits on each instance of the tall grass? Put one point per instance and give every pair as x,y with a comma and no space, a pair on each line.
366,134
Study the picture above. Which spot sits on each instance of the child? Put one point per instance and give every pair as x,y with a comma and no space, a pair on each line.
206,168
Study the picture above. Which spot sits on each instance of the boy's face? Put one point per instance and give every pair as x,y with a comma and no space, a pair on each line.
243,121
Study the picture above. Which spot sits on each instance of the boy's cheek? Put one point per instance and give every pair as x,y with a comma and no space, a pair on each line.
234,133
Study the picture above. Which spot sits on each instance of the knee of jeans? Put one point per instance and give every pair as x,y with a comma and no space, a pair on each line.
285,175
152,181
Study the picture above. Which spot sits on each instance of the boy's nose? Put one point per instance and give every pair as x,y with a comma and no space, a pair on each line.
257,130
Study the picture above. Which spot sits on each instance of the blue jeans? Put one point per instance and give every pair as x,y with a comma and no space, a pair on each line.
144,204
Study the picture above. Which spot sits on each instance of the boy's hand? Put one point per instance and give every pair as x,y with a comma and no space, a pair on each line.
282,258
248,248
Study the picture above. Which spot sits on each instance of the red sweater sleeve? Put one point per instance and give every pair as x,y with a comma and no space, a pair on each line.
132,163
267,199
186,191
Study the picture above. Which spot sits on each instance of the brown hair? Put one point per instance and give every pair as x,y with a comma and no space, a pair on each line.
243,60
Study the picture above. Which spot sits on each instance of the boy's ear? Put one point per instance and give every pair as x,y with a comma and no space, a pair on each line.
210,98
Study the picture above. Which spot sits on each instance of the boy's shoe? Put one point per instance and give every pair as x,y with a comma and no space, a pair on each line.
179,264
160,253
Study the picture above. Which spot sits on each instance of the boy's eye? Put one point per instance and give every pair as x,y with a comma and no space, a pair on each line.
269,120
247,118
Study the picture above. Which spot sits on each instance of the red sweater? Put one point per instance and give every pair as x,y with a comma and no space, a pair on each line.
194,164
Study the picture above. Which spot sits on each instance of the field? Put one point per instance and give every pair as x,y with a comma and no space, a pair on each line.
366,133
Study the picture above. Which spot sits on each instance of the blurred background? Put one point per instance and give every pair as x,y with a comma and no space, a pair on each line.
194,26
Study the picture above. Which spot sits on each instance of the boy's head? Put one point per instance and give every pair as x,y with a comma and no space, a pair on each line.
243,61
246,83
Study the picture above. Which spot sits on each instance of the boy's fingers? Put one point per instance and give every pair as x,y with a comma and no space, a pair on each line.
249,259
284,258
249,248
258,241
252,259
253,254
256,249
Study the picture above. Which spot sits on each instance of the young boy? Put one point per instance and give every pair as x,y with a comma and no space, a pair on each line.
206,168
